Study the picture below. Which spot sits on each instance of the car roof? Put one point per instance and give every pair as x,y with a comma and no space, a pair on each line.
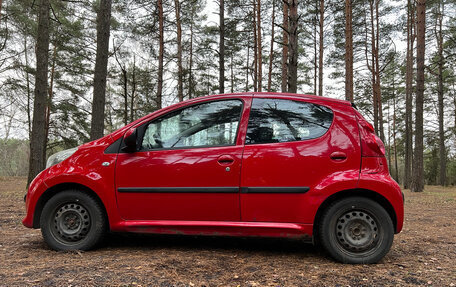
280,95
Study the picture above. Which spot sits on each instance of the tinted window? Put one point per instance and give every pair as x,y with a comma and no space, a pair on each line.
208,124
274,120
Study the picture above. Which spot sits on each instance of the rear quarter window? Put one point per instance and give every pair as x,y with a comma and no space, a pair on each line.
278,120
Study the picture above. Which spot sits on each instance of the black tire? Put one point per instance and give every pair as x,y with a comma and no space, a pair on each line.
356,230
72,220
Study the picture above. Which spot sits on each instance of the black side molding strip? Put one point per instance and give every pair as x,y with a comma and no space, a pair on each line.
275,189
225,189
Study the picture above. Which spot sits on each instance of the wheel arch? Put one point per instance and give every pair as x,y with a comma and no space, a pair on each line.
377,197
50,192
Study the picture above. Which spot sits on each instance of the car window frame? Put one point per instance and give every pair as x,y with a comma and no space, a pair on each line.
143,127
293,100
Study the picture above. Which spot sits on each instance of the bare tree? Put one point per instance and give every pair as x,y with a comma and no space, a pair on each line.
37,139
101,69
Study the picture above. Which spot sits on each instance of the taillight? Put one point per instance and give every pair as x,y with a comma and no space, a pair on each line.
371,144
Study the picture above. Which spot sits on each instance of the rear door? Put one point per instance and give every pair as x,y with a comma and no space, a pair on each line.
291,147
187,166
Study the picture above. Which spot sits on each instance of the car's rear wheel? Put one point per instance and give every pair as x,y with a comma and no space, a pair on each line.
356,230
72,220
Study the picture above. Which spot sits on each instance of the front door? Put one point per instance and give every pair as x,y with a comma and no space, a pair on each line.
187,166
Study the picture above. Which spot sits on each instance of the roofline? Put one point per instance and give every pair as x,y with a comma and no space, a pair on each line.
307,96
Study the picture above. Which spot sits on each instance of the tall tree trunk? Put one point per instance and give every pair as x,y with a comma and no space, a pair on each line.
418,172
37,140
133,90
348,51
190,61
260,52
255,49
377,73
271,53
396,171
315,32
222,48
293,48
29,92
180,84
247,67
232,71
161,51
101,69
50,95
320,51
441,63
409,96
286,8
373,66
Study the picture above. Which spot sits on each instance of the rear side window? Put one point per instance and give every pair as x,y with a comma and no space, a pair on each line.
276,120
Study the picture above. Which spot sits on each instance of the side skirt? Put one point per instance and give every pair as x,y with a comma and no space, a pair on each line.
218,228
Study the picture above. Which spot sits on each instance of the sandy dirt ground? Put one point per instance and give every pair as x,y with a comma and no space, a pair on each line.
423,254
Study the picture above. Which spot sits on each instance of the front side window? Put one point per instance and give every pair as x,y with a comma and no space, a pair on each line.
208,124
277,120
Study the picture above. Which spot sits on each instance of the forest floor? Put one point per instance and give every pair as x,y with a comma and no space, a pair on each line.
424,253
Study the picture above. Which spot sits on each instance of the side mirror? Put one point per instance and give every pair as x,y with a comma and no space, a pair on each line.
130,140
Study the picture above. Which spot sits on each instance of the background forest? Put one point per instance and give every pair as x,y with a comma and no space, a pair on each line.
73,70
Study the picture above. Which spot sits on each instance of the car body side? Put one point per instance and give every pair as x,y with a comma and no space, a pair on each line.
96,175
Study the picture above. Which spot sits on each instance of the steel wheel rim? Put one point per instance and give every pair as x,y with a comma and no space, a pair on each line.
70,223
357,232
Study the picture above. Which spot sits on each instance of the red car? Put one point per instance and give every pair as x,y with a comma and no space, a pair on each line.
254,164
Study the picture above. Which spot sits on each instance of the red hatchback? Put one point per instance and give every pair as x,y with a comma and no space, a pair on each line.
261,164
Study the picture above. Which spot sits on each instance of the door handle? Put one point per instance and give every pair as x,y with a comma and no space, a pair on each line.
225,160
338,156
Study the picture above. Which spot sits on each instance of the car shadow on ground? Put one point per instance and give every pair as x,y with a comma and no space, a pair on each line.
213,243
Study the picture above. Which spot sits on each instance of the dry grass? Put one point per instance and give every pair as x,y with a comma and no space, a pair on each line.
423,254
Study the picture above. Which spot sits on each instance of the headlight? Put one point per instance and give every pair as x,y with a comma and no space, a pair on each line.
60,156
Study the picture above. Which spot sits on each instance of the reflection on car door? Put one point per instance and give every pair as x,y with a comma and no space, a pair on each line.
187,166
287,153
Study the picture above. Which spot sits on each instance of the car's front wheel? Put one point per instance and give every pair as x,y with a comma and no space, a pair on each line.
72,220
356,230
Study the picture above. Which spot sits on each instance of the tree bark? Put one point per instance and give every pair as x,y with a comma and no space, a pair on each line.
190,61
348,51
255,49
271,53
441,63
180,84
222,48
293,48
101,69
37,139
50,95
408,96
285,46
418,172
320,51
161,52
260,52
133,91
